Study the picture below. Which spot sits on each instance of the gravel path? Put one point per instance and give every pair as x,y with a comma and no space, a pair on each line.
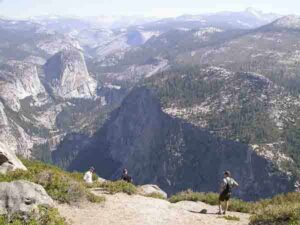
122,209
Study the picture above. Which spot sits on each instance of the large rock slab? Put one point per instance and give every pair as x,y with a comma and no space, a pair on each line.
8,160
121,209
149,189
22,197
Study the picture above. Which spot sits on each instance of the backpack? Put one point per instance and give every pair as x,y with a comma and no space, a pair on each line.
228,188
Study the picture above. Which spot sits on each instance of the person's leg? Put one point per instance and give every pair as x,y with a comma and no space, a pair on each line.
226,207
220,207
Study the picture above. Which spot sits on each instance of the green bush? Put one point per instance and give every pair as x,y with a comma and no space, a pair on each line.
95,198
117,186
155,195
283,209
211,199
232,218
282,214
62,186
45,216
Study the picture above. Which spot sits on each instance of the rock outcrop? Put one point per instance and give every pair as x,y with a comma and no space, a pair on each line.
22,197
150,189
19,80
67,75
8,160
289,22
101,180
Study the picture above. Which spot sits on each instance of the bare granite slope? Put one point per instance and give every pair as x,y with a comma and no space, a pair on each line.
123,209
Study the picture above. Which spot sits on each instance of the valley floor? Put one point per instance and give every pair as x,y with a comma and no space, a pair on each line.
122,209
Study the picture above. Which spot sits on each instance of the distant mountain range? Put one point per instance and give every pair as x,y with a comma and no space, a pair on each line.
250,18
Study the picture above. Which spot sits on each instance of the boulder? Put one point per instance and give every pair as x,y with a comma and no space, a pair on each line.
22,197
8,160
101,180
149,189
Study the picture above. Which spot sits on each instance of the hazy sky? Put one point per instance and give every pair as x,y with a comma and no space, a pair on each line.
158,8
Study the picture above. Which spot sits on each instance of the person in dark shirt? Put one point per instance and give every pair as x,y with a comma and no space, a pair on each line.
126,177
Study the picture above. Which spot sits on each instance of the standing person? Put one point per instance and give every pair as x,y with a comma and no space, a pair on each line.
88,176
226,189
126,177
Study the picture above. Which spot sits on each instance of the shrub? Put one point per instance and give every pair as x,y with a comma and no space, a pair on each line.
237,205
282,209
155,195
278,215
46,216
211,199
117,186
232,218
62,186
95,198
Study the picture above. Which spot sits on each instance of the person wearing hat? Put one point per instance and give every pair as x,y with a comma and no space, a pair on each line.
88,176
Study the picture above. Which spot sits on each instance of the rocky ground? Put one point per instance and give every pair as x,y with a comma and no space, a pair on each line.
123,209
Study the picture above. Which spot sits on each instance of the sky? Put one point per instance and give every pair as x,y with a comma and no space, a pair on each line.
148,8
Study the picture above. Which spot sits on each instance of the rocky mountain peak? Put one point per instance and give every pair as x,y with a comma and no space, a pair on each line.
268,17
253,11
67,75
291,22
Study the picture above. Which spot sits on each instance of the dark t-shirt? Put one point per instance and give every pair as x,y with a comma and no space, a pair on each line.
126,178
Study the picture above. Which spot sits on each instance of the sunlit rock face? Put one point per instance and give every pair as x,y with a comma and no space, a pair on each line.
18,81
68,77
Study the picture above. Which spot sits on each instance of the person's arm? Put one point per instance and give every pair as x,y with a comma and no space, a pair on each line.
236,184
223,184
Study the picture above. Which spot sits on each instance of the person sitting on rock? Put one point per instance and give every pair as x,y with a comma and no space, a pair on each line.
88,176
126,177
226,189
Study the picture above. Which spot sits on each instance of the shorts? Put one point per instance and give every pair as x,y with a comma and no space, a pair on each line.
224,196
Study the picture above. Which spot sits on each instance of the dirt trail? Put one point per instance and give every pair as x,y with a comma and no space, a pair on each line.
122,209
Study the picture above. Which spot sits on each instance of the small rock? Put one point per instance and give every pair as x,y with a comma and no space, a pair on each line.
203,211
